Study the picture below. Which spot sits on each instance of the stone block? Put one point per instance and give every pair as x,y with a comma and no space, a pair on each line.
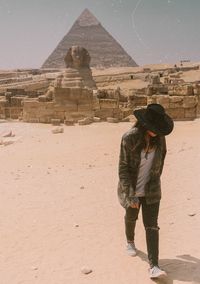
149,91
59,115
181,90
171,91
84,107
43,98
162,89
55,121
126,112
62,94
70,106
190,101
117,113
2,113
104,113
45,119
33,120
176,113
3,103
69,122
96,119
16,101
190,113
95,104
175,101
154,79
57,130
197,89
152,99
75,93
85,121
16,91
29,103
15,112
49,105
108,103
87,94
126,119
112,119
138,100
163,100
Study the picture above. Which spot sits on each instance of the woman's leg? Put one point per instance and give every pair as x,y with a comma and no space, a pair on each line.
150,220
130,222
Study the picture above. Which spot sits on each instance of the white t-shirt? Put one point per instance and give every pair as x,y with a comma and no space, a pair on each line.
144,172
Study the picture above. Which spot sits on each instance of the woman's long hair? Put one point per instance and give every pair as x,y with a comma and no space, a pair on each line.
142,143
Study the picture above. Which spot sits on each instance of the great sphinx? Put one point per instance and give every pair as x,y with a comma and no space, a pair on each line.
76,75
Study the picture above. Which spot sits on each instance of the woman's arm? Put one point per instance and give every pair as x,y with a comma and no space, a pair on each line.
124,170
164,152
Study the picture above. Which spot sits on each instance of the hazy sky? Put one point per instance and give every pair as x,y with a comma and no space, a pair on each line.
151,31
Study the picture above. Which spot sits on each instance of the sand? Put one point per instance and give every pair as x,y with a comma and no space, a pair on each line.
59,209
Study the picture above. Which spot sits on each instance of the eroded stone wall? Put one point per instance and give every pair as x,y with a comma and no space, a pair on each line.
182,102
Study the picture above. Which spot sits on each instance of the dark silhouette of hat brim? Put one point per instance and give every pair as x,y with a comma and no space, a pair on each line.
167,123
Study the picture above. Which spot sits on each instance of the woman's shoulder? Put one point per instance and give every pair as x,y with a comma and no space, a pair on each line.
130,134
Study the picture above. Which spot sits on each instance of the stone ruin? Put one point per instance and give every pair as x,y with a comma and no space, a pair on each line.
73,96
70,96
181,100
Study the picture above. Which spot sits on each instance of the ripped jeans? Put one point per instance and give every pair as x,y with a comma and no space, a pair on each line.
150,221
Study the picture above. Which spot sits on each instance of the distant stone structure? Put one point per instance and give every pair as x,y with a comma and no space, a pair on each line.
73,96
181,100
70,96
76,75
87,31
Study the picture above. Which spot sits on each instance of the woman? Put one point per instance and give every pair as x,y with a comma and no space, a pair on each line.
143,150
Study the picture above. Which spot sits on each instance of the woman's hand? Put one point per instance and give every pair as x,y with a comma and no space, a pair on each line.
135,203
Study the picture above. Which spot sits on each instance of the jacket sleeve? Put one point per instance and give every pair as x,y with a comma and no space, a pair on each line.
124,170
164,152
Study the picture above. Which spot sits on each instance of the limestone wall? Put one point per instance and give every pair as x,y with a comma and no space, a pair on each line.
178,107
182,102
67,103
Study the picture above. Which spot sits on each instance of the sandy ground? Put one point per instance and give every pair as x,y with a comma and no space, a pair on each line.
59,209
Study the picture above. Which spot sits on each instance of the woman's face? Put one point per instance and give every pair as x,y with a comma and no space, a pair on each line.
152,134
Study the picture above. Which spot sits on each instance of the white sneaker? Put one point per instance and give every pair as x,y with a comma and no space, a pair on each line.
156,272
131,249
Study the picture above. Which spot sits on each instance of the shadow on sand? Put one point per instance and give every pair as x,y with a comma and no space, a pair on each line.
184,268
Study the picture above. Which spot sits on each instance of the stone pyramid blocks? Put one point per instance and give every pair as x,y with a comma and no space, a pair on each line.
88,32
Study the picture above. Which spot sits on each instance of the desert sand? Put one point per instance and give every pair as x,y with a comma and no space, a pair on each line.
59,209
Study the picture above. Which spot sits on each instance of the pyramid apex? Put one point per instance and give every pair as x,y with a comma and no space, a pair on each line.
87,19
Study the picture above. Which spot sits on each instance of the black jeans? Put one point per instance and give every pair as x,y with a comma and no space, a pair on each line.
150,221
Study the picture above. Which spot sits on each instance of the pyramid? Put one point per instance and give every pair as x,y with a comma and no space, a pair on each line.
88,32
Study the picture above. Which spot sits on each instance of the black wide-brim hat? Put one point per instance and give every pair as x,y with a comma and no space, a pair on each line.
155,119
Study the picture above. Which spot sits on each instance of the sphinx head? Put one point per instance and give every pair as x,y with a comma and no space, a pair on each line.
77,57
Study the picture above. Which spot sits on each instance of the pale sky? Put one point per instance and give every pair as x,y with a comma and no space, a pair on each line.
151,31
